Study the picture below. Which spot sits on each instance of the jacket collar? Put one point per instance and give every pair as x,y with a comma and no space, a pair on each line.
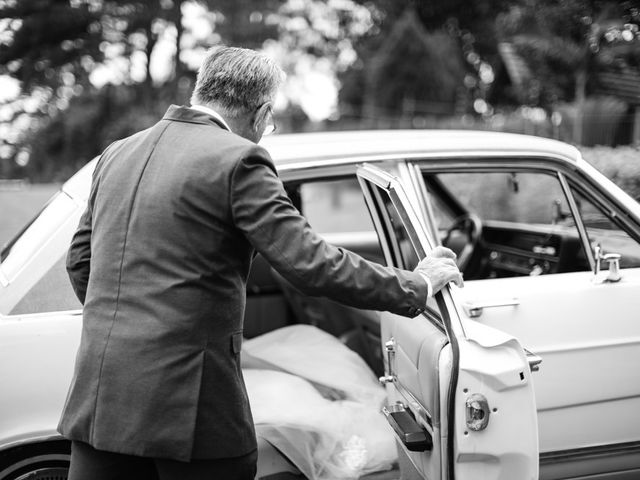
213,113
189,115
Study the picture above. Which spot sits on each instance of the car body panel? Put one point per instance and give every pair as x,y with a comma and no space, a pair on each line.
590,335
36,366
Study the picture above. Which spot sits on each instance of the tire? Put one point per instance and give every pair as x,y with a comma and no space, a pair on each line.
41,461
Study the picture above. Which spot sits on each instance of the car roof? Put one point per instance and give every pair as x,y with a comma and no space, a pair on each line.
299,150
346,147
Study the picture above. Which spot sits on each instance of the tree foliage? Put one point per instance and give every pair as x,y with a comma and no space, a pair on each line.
91,71
566,43
466,26
63,52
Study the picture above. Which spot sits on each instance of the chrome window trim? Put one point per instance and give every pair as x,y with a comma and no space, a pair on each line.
575,212
445,157
51,313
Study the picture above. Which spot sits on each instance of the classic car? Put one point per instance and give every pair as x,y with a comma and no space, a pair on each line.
529,371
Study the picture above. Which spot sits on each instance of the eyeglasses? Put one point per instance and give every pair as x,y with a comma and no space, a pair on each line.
270,126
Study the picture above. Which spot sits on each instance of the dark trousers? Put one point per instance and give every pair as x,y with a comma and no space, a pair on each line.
87,463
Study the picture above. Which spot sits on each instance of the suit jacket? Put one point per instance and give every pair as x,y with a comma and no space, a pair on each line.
160,260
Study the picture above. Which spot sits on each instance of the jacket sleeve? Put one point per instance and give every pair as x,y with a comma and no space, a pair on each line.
262,210
79,256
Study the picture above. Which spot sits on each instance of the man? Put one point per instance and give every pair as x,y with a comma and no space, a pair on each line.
160,260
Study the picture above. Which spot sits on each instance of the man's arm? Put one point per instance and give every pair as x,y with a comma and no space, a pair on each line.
79,256
264,212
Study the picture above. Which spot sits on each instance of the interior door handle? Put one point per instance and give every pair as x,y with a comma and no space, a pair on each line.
475,309
413,436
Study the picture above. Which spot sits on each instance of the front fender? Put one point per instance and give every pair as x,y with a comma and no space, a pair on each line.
37,355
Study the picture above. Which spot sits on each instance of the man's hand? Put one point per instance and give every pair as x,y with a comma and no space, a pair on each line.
440,267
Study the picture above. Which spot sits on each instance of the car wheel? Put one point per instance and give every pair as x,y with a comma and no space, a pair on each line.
42,461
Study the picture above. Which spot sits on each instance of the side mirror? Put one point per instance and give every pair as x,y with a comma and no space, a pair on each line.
558,214
613,259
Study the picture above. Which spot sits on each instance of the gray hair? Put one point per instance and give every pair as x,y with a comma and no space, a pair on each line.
236,79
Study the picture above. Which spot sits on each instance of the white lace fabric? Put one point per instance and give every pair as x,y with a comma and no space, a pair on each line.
318,403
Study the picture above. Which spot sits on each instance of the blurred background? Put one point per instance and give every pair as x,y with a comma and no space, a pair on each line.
77,74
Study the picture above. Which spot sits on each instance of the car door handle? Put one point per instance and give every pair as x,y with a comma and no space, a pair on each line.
411,434
475,309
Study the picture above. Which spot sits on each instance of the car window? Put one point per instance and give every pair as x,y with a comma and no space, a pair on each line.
407,251
51,293
529,198
524,217
399,242
333,206
603,231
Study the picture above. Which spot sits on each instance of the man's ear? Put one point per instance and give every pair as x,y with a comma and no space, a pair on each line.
260,116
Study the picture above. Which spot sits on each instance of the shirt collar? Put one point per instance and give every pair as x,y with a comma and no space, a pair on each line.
213,113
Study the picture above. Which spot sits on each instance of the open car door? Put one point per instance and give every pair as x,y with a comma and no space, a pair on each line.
460,394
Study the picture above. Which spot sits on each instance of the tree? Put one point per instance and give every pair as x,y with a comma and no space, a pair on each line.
66,54
314,45
566,43
469,26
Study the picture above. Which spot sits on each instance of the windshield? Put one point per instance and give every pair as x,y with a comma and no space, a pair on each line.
36,234
6,248
523,197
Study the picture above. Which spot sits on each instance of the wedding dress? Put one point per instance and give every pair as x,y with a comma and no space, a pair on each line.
317,402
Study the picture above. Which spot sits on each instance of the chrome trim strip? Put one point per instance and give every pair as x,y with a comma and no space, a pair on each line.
445,156
475,309
28,316
584,237
589,452
413,404
375,175
378,219
424,206
32,461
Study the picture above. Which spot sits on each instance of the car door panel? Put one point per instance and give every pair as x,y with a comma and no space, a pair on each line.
494,363
418,343
460,373
588,387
